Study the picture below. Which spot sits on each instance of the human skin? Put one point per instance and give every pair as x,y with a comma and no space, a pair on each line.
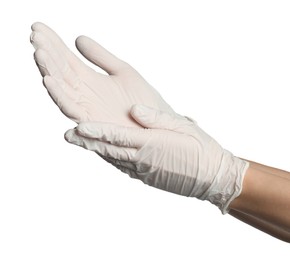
265,200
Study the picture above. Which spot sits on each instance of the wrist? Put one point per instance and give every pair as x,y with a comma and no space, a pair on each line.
228,182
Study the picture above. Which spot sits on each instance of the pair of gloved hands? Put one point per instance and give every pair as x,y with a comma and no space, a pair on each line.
126,121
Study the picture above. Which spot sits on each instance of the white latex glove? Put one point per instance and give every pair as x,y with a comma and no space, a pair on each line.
83,94
174,154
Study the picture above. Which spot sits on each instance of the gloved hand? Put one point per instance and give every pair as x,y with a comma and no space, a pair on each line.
171,153
83,94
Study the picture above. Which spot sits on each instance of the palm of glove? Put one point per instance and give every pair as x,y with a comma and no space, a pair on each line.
83,94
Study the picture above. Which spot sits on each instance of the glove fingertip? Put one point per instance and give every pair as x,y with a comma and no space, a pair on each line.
140,109
68,135
37,26
79,40
143,114
82,42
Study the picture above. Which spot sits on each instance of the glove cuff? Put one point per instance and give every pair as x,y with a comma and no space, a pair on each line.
228,182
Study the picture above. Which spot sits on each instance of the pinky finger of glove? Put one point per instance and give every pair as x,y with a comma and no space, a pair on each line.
102,148
47,32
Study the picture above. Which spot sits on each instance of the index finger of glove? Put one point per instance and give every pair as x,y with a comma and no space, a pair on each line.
56,43
102,148
51,35
114,134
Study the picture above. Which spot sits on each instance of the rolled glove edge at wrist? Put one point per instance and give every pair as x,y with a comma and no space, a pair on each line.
228,183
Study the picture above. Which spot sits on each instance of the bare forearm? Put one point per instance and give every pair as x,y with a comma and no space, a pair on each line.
262,225
270,170
265,200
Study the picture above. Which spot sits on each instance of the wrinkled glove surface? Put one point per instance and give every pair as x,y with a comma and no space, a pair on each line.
171,153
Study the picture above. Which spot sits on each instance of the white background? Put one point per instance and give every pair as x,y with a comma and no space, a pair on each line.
224,63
